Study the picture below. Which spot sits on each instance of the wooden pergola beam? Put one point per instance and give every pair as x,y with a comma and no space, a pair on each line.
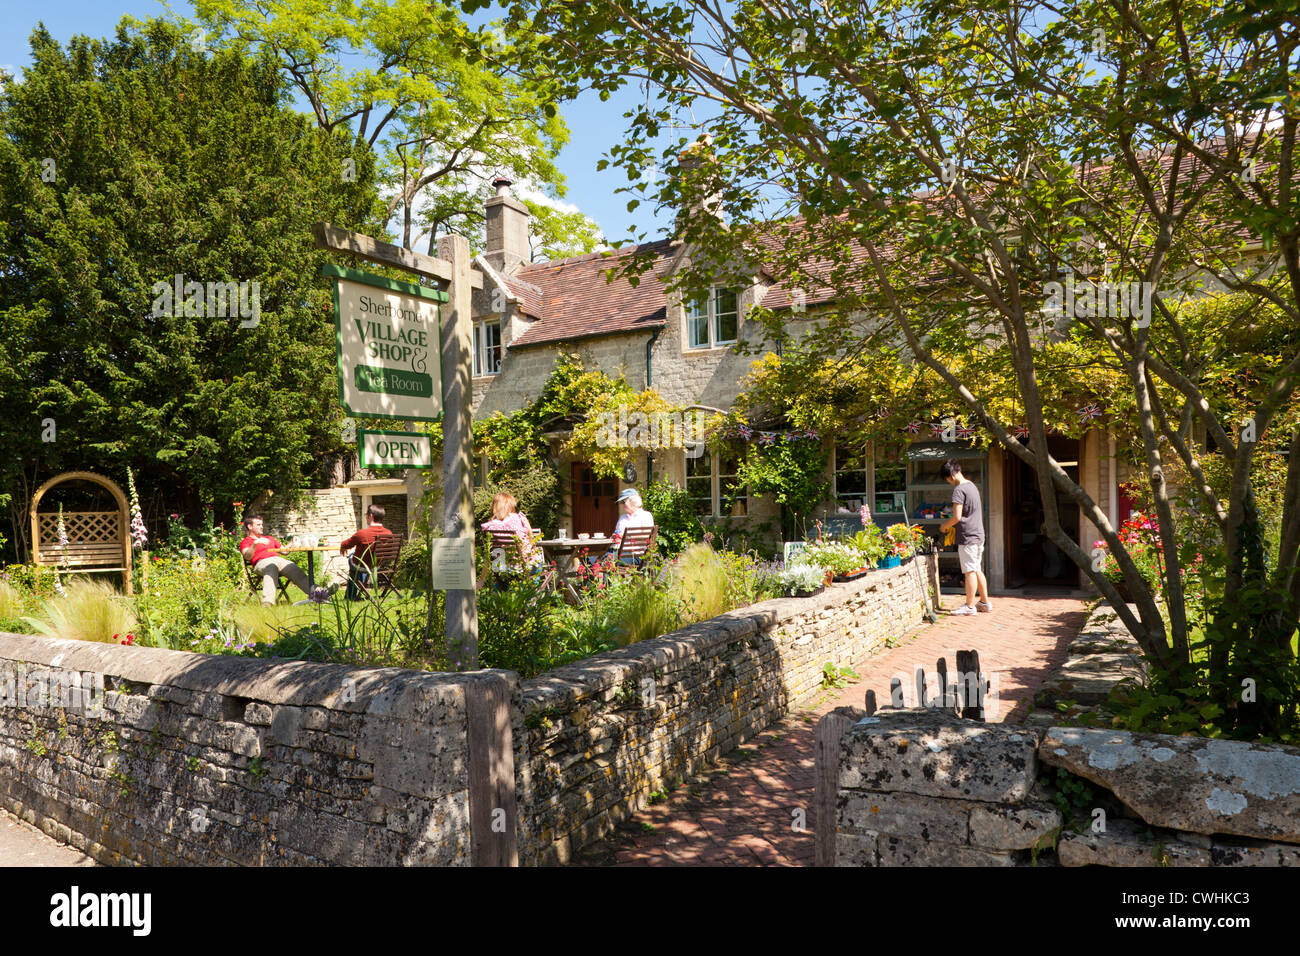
387,254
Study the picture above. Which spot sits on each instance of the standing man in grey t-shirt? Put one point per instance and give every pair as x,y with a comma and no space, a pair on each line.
968,518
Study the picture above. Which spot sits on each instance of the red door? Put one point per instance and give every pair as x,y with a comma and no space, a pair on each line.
595,509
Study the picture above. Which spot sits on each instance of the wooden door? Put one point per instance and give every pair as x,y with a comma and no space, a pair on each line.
595,508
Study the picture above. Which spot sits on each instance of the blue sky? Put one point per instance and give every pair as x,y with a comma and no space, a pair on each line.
594,126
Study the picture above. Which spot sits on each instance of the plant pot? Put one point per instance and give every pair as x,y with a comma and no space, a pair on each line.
852,576
891,561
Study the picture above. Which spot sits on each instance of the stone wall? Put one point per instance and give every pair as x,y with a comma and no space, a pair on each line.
599,736
169,757
333,512
918,787
174,758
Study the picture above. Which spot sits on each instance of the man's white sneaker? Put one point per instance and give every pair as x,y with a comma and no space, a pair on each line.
962,609
984,606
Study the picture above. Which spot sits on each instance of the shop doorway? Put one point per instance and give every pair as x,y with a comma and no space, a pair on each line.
1032,560
595,508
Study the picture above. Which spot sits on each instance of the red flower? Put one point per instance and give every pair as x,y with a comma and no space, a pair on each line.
130,639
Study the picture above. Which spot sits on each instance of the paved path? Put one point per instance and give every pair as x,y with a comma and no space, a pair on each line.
743,811
23,845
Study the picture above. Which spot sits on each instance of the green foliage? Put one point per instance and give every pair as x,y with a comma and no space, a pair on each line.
837,678
166,162
676,521
1075,797
536,488
179,598
514,631
641,607
89,611
556,234
793,473
442,105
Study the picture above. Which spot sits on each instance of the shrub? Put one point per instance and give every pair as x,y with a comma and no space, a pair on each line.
513,625
89,611
12,605
800,578
677,524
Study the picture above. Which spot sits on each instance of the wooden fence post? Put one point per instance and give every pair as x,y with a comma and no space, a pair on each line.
826,773
493,814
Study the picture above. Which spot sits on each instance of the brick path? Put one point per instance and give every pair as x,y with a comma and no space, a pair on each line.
741,812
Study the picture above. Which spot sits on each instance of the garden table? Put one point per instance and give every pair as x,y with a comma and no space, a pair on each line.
311,556
563,550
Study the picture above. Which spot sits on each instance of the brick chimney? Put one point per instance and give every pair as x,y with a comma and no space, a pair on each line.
507,229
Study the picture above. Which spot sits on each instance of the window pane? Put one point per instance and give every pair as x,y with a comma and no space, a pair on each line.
850,476
699,483
697,324
492,348
724,316
478,348
891,469
734,497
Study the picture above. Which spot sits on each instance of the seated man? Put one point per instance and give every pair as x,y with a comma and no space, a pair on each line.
262,552
633,516
362,561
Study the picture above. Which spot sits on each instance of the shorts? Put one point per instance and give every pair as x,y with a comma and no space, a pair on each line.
971,557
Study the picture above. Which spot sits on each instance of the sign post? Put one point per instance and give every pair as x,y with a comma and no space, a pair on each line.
403,357
457,497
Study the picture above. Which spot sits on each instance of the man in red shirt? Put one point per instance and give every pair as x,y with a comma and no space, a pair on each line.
361,561
263,553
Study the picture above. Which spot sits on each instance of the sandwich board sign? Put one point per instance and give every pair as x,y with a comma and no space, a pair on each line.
389,346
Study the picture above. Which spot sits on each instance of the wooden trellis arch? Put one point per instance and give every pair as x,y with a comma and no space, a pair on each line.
98,541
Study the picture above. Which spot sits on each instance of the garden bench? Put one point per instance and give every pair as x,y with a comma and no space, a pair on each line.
97,541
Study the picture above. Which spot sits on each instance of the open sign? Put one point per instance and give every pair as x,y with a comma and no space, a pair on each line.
395,450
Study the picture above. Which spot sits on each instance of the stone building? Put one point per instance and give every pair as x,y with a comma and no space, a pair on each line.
528,312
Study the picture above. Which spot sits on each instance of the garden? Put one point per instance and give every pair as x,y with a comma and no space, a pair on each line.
192,594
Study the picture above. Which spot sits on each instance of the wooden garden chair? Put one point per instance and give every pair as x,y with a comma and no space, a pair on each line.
380,565
507,549
255,582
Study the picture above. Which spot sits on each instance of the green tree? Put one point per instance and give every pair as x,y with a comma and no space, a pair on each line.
125,163
556,234
411,81
931,168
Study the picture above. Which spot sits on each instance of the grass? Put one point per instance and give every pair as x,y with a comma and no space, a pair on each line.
89,611
11,602
701,578
261,620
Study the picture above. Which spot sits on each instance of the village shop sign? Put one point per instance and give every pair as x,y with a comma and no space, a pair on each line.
389,337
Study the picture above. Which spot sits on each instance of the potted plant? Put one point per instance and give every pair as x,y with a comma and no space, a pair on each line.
842,559
902,542
801,579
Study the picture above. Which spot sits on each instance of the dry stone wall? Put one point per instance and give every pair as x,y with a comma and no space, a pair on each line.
141,755
599,736
163,757
922,787
332,512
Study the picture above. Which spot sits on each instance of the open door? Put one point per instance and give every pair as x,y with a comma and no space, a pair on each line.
1031,558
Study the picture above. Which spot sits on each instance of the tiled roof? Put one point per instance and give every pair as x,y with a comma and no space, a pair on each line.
529,295
573,300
